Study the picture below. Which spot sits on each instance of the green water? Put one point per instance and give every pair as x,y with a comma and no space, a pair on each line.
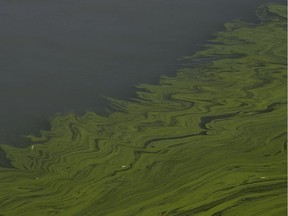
209,141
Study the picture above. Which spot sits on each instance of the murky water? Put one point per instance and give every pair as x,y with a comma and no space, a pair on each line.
61,56
211,140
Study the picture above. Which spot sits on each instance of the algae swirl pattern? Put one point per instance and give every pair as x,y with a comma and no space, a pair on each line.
209,141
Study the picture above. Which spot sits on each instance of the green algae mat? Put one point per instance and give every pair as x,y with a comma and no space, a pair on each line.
209,141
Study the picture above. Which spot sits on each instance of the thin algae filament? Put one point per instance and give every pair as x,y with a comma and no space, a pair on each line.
209,141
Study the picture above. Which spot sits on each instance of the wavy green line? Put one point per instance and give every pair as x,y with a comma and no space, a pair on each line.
209,141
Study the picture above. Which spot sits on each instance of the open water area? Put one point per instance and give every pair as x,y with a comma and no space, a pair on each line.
63,56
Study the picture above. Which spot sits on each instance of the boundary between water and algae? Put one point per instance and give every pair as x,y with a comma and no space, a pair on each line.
211,140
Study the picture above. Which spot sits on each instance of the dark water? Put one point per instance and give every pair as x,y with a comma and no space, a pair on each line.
61,56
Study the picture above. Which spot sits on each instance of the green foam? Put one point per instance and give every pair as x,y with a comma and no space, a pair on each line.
209,141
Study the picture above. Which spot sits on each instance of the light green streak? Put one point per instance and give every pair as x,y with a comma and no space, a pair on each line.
209,141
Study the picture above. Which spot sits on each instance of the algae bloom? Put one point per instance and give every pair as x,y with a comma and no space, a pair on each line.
209,141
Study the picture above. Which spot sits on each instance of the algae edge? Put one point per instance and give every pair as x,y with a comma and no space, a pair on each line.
209,141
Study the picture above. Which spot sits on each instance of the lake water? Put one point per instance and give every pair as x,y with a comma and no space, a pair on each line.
61,56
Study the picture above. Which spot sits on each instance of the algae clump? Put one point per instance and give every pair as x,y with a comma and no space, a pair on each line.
209,141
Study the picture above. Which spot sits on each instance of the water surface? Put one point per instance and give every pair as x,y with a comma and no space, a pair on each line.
211,140
61,56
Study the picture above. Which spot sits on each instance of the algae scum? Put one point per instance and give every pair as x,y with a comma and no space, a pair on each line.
209,141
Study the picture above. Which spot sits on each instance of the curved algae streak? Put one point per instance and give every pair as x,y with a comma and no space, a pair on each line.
209,141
